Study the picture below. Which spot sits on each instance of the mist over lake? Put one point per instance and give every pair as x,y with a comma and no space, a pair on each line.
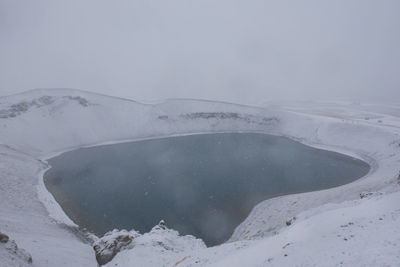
204,185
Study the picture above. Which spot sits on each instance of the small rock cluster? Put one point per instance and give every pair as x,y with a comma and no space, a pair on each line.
24,106
248,118
15,253
111,243
290,221
369,194
159,240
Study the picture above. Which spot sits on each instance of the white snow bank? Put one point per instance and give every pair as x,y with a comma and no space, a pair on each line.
356,233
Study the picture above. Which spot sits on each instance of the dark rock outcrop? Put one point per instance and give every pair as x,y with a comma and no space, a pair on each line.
10,252
18,109
111,243
290,221
3,238
248,118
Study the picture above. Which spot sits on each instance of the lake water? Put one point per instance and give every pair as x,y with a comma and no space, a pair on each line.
204,185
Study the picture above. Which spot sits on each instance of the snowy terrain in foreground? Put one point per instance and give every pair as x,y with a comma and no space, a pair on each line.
327,228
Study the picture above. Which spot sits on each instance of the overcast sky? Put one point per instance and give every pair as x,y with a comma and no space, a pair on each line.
248,51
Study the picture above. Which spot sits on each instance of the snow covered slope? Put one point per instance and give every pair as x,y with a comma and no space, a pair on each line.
40,123
47,121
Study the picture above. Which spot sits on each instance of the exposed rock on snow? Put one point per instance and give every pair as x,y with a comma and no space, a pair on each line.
248,118
17,109
11,254
3,238
290,221
111,243
369,194
160,239
156,247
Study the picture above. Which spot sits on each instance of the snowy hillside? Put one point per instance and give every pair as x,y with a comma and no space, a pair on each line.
324,228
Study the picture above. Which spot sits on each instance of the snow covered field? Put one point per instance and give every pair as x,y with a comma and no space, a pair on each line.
324,228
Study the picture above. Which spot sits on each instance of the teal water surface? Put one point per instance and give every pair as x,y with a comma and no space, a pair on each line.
204,185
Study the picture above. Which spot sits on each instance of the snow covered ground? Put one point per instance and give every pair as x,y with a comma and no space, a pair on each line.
327,228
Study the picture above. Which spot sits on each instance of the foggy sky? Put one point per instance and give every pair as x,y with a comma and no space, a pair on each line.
248,51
